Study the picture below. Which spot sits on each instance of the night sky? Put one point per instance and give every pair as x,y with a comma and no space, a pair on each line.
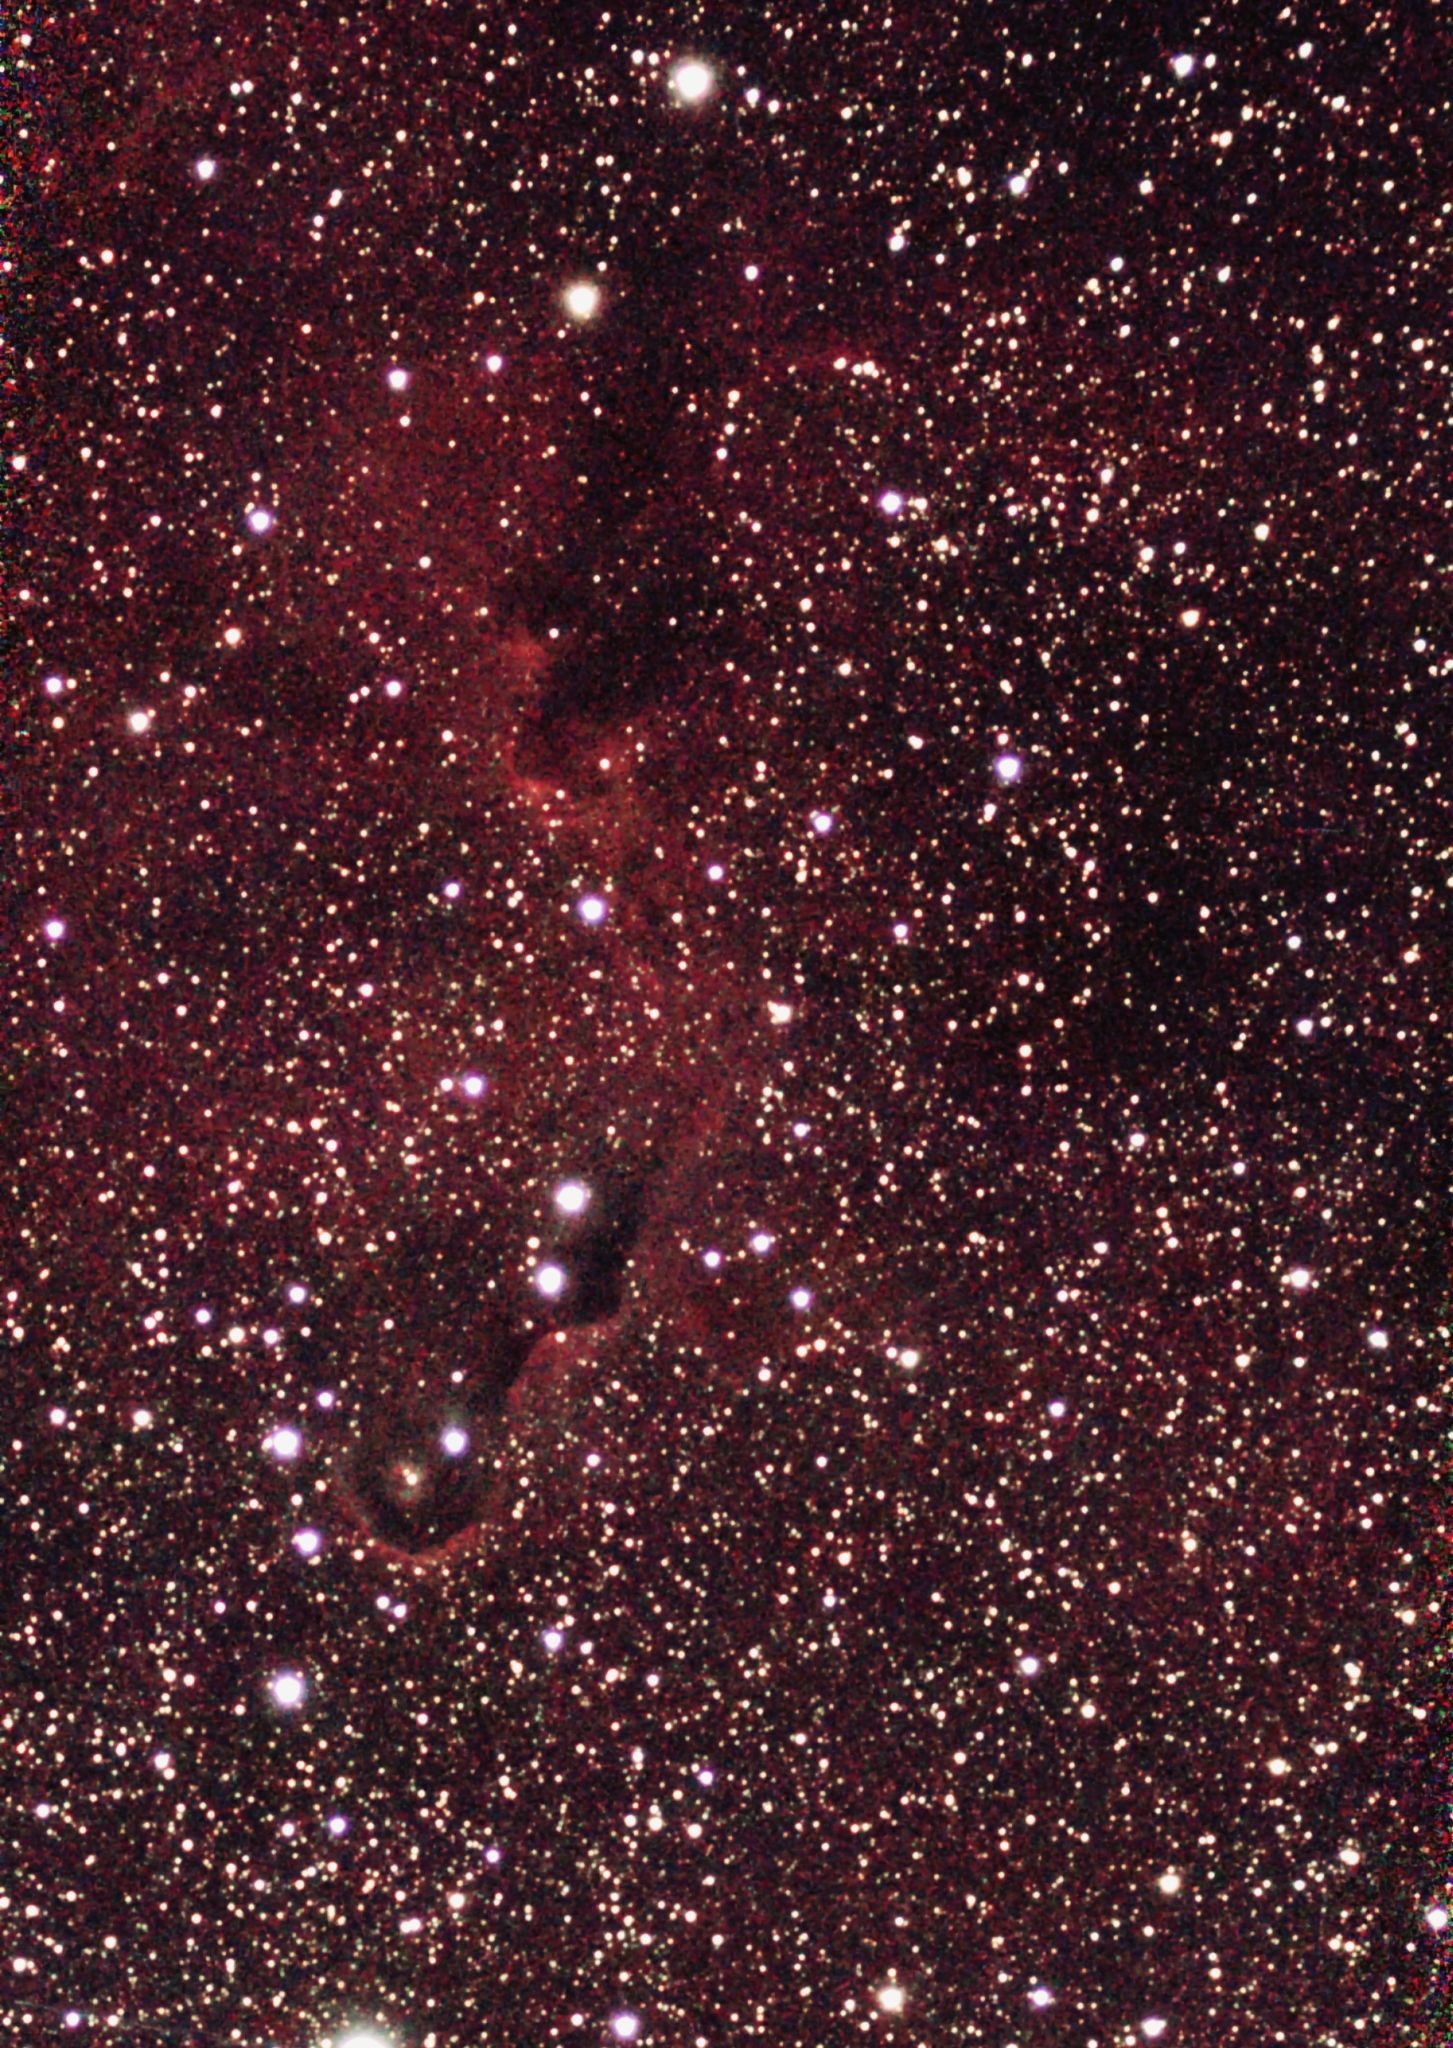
724,1101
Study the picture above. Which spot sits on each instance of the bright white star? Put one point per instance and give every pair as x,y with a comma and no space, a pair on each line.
289,1689
692,81
582,299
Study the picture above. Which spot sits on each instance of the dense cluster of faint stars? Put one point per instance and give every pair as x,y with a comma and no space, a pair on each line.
726,1058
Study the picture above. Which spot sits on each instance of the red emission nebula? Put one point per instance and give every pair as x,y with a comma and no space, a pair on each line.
724,1116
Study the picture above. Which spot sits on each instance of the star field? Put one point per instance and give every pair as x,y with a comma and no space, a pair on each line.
724,1102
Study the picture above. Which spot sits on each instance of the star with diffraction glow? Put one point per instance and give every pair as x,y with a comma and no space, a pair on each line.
582,299
692,81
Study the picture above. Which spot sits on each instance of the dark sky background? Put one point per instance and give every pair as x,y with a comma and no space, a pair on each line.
828,627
